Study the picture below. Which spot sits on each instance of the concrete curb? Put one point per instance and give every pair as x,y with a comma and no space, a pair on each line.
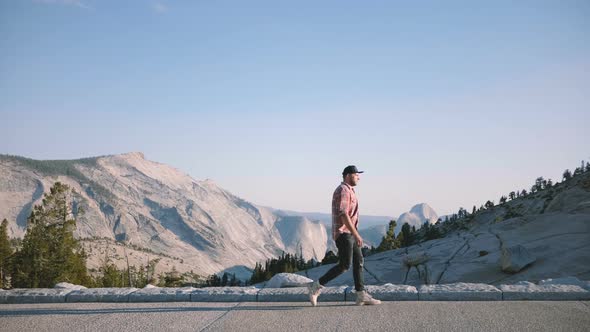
387,292
100,295
225,294
460,292
544,292
164,294
34,295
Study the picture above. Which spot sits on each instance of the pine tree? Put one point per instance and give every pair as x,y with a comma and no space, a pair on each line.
50,253
174,279
539,184
111,276
400,239
389,241
432,232
224,279
567,175
329,258
5,253
461,213
407,234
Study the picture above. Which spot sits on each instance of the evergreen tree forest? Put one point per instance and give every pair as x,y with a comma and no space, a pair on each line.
285,263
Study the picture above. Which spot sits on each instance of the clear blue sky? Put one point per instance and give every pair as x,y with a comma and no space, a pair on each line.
448,103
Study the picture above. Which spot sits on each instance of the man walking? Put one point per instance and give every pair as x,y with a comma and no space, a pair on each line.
345,218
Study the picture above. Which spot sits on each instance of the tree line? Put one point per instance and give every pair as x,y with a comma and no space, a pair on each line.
287,262
428,231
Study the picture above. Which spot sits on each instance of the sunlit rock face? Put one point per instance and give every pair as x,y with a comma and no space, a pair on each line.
192,225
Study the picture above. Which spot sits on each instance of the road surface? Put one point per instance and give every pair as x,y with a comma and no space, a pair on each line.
330,316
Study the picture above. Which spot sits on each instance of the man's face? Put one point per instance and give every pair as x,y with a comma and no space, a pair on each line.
353,179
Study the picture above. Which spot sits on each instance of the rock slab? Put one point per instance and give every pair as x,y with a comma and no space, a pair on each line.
515,258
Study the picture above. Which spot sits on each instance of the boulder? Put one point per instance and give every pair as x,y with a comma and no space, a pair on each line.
281,280
415,258
515,258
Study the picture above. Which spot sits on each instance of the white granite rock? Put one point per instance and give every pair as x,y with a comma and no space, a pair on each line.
387,292
34,295
67,285
300,294
460,292
515,258
281,280
225,294
164,294
100,295
531,291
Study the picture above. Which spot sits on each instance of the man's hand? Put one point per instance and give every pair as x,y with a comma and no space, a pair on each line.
359,240
346,221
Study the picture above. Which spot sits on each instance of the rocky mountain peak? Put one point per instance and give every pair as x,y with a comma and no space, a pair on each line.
133,155
137,202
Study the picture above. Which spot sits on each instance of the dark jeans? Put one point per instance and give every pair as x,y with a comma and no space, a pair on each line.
348,251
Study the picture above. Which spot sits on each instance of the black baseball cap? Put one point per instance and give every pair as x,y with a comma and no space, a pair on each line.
350,170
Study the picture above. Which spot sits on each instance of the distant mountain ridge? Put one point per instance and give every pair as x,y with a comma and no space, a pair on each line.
417,216
151,205
373,228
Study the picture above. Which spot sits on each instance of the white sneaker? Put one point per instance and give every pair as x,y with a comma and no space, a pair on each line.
363,298
314,289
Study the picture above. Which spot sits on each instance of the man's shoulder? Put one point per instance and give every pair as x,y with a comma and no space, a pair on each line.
342,187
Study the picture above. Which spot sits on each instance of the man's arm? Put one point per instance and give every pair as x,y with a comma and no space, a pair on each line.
346,221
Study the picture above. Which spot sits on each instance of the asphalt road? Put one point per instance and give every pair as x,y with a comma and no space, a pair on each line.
331,316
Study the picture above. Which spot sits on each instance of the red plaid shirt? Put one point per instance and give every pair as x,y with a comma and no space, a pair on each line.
344,201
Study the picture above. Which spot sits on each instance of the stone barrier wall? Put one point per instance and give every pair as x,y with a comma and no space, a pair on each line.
387,292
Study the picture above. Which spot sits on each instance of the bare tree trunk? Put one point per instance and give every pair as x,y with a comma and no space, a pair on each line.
128,271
